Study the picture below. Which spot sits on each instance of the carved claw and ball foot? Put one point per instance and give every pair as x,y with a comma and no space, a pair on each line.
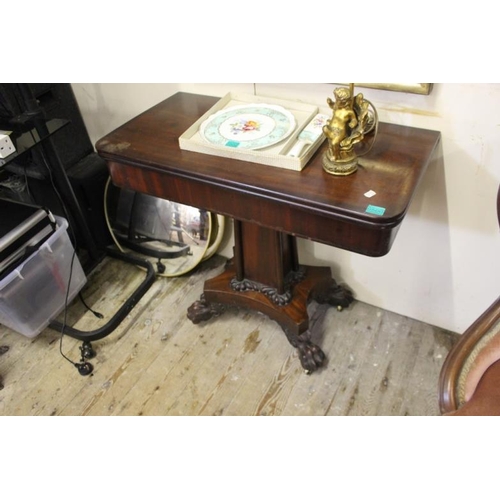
201,310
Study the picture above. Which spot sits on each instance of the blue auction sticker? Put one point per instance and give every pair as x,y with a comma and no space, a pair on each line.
372,209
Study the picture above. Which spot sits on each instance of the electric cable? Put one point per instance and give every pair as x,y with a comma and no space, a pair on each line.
95,313
83,367
66,311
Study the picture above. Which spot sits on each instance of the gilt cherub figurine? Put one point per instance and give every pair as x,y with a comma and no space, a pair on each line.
352,118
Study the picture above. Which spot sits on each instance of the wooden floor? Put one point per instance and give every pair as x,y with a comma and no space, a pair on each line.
158,363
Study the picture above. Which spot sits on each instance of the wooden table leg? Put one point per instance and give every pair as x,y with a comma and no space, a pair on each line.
265,276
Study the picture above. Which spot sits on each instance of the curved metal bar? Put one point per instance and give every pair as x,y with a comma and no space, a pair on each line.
120,315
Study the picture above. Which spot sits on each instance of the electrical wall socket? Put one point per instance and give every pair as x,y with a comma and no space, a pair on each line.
6,146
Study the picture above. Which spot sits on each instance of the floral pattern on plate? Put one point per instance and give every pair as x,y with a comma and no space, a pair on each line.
248,126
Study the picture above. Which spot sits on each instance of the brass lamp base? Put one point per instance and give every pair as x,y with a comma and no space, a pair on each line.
343,166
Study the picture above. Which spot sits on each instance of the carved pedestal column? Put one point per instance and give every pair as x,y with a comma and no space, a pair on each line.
265,276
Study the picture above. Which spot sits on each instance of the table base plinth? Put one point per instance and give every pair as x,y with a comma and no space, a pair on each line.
288,309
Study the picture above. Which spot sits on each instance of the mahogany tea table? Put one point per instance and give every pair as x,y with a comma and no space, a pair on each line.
271,207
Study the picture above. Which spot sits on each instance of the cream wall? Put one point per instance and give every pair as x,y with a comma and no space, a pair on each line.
443,268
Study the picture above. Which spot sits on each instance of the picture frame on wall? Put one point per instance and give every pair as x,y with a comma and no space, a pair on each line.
412,88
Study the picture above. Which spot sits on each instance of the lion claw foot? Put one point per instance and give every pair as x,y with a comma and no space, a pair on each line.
311,357
201,310
333,294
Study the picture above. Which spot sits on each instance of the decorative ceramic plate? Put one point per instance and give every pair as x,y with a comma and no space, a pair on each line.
248,126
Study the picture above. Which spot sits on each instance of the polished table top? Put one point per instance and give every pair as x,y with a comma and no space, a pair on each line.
144,155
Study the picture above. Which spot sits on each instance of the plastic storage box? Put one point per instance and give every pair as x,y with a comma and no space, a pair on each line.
37,290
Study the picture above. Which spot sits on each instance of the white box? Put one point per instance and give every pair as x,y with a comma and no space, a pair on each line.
276,155
6,146
37,290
